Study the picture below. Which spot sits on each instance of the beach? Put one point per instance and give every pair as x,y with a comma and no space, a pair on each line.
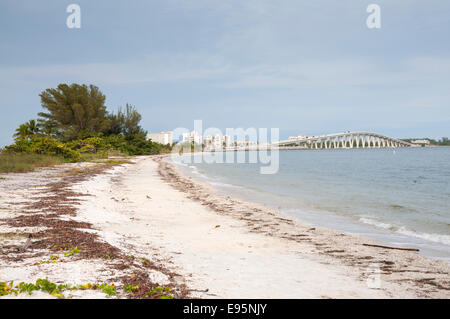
146,223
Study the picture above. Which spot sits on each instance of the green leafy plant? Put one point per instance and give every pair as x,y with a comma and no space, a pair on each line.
130,288
108,289
73,251
162,291
55,290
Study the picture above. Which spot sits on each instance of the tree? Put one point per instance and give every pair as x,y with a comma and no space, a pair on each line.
131,122
74,110
48,128
125,122
26,130
116,123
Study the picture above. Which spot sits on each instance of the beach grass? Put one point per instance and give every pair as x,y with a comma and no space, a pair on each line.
25,162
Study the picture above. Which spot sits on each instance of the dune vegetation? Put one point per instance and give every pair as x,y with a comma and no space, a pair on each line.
76,126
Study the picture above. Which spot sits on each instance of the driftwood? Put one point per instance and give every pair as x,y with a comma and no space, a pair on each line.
387,247
200,290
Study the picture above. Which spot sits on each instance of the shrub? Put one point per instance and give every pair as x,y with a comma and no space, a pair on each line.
87,149
45,146
134,144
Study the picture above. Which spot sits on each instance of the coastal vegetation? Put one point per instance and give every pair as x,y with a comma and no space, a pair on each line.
441,142
24,162
53,289
57,291
74,126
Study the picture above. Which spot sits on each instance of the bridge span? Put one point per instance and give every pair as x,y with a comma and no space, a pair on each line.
343,140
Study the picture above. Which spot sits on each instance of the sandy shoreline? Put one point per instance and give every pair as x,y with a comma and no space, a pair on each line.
204,245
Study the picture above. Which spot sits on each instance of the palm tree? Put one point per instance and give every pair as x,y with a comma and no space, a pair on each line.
33,127
26,130
22,132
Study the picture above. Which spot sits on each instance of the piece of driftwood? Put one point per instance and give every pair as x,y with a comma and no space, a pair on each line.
387,247
199,290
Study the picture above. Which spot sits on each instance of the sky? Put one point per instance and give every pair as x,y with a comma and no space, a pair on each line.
310,67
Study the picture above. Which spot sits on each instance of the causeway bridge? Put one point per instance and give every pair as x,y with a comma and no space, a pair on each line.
342,140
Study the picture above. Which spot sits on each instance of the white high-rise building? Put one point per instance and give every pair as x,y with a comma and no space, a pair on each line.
161,138
208,140
192,137
217,142
227,140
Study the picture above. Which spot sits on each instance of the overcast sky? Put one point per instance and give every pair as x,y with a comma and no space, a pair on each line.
307,67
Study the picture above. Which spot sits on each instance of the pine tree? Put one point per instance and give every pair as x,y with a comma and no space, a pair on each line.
74,110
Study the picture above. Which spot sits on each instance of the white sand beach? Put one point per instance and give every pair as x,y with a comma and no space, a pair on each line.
211,246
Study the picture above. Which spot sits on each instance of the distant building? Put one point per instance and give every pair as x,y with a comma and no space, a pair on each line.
192,137
208,140
421,142
227,140
246,143
161,138
299,136
217,142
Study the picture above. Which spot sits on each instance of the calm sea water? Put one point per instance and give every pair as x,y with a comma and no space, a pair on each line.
401,196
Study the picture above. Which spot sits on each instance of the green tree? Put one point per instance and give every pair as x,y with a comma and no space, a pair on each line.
116,123
125,122
131,122
26,130
74,110
48,127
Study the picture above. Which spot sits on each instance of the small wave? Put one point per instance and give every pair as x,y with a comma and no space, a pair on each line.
193,169
177,162
378,224
437,238
221,184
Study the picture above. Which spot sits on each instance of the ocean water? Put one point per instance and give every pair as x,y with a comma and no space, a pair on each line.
398,196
